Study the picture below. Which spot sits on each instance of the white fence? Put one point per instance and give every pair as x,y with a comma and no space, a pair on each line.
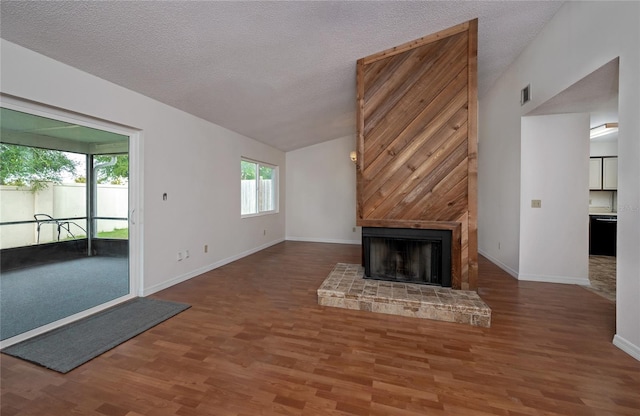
58,201
266,198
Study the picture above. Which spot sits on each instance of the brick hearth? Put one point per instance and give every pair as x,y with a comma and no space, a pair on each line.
346,287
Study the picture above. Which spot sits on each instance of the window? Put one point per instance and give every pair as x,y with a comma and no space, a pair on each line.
259,184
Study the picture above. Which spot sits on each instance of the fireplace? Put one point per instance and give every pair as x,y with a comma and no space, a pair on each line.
407,255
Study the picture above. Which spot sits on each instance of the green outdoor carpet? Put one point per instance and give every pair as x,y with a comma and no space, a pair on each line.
72,345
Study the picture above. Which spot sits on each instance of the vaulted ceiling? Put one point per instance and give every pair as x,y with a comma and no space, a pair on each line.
282,73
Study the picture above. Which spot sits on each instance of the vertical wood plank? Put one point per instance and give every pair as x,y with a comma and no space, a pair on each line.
456,258
360,137
473,154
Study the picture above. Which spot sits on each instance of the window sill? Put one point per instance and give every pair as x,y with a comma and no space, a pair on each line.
259,214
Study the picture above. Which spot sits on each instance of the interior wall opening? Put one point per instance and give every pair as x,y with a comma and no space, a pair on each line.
596,94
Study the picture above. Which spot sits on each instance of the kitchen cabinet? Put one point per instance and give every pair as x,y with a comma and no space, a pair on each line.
610,173
603,173
595,173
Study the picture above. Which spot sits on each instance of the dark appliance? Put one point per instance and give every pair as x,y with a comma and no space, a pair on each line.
602,235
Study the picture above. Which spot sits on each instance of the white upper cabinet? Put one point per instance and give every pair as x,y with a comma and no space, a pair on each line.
595,173
603,173
609,173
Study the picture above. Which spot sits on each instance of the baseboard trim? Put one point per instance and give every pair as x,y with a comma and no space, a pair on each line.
323,240
182,278
626,346
582,281
500,264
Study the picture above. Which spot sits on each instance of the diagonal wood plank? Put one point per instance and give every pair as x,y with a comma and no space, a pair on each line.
387,91
395,195
384,147
454,115
393,115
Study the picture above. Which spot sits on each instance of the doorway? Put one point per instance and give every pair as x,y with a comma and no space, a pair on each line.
596,95
65,220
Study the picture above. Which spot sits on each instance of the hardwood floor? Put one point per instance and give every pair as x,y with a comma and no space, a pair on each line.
255,342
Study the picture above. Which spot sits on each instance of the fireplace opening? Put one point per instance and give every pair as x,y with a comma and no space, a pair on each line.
407,255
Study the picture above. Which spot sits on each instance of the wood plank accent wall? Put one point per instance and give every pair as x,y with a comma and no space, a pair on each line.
417,141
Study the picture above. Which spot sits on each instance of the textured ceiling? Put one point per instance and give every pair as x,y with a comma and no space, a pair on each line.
282,73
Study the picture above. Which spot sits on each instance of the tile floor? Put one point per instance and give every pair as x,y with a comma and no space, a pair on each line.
346,287
602,275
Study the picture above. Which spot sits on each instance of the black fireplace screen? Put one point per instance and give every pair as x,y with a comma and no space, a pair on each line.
408,255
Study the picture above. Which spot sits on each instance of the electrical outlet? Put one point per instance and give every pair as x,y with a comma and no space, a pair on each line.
179,256
186,254
536,203
206,248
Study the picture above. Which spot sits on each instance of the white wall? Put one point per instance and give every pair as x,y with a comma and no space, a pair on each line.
604,148
195,162
70,200
499,173
20,234
321,193
554,239
580,38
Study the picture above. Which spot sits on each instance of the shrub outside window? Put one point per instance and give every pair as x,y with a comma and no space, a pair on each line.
259,184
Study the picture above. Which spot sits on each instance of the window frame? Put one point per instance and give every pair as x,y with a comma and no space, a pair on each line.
276,190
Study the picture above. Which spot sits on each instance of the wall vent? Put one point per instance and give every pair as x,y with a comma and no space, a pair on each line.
525,95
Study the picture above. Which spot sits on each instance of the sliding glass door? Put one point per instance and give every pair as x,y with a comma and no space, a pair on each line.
64,220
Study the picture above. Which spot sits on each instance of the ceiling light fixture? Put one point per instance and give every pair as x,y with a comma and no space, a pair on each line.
603,129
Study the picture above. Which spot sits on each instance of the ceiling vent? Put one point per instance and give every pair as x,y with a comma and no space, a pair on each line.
525,95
